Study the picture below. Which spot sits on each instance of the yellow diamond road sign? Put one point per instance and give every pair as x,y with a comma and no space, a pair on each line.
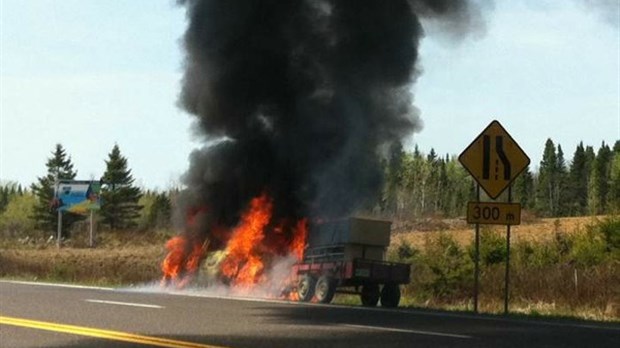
494,159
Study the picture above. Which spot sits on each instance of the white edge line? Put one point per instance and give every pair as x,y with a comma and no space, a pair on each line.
417,332
59,285
131,304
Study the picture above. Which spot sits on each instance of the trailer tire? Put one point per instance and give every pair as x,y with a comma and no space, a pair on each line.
390,295
325,289
370,295
305,287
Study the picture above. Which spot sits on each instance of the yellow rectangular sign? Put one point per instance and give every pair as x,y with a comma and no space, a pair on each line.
494,213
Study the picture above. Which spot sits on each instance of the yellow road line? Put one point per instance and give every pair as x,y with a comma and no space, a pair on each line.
99,333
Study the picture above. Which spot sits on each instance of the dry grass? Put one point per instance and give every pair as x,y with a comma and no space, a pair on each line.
119,258
91,266
538,230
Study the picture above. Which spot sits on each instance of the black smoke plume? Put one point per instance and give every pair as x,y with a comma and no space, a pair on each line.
297,99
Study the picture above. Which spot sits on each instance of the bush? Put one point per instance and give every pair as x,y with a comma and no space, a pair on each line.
536,255
492,248
610,229
589,248
156,211
15,220
404,252
451,269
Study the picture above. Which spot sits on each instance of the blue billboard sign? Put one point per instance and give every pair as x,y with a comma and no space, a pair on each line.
77,196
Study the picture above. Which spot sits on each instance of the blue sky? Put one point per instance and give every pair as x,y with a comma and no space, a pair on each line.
89,74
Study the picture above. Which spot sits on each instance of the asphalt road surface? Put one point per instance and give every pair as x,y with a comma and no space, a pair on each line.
47,315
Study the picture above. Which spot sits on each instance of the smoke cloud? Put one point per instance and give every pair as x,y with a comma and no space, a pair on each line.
298,99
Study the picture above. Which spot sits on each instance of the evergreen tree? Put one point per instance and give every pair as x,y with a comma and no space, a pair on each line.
457,190
4,197
560,184
590,156
433,183
442,187
524,189
160,212
545,191
594,190
393,177
120,207
414,178
578,177
599,181
45,214
613,197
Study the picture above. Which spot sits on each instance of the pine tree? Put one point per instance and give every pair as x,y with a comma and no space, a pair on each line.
560,184
59,167
393,177
457,191
598,184
578,177
434,182
4,197
545,198
524,189
613,196
160,212
120,207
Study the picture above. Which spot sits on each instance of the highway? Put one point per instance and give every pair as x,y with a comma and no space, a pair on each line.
49,315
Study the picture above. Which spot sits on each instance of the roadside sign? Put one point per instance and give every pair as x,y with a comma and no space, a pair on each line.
77,196
494,213
494,159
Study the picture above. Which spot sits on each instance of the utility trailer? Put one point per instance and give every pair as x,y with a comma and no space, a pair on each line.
348,256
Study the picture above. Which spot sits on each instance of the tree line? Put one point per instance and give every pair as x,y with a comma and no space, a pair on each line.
419,184
122,202
416,185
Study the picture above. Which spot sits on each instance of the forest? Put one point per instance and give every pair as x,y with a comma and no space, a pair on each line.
416,185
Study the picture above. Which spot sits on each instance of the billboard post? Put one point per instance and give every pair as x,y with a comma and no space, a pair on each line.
59,228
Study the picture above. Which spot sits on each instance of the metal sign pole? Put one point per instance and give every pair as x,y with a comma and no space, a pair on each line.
476,256
507,275
59,228
90,241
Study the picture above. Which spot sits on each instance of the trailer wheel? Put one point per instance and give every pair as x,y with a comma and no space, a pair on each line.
305,287
325,289
370,295
390,295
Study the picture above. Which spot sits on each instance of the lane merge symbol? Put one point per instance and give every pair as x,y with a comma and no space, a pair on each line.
486,159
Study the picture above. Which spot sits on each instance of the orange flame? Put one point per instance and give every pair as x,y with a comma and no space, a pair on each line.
179,267
249,250
173,263
243,263
299,239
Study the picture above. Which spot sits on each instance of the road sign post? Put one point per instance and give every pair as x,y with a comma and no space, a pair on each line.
507,275
494,160
476,256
